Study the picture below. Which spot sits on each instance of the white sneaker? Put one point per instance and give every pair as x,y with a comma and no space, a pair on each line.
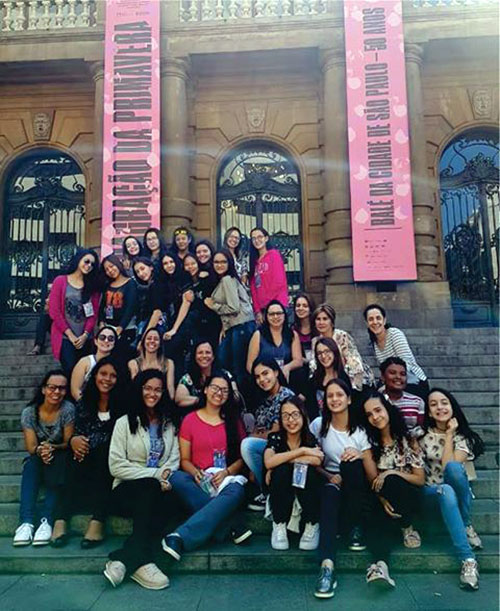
469,575
23,534
378,574
150,577
43,533
279,538
473,538
310,537
115,571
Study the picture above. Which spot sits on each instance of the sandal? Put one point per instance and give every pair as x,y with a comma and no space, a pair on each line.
34,351
411,538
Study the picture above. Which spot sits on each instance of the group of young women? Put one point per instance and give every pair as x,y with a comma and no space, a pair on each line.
199,398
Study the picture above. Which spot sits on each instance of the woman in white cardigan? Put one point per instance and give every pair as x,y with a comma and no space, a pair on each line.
143,453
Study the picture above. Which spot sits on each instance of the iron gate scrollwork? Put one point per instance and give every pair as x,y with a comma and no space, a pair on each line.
43,205
470,218
258,185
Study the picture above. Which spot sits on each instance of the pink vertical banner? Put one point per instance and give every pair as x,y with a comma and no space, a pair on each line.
131,138
379,152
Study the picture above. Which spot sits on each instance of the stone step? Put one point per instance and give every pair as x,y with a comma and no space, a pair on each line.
462,360
465,384
253,557
18,359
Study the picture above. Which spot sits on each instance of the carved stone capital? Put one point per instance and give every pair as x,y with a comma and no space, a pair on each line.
414,53
175,66
97,70
332,58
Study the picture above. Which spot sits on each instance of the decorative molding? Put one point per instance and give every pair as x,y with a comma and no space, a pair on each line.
481,100
175,66
414,53
42,124
256,117
332,58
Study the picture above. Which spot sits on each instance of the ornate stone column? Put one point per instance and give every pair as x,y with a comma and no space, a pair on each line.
425,225
176,207
94,209
336,178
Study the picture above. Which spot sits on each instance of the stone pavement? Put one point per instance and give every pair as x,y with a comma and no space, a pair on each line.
248,592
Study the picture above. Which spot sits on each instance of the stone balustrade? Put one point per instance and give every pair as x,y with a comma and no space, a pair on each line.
23,15
451,3
231,10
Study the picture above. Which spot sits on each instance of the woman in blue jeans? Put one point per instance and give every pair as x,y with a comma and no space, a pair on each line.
448,444
209,484
232,303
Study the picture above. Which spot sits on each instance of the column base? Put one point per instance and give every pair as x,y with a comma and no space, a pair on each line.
175,212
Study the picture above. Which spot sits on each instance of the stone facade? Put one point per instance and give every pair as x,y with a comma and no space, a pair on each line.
227,78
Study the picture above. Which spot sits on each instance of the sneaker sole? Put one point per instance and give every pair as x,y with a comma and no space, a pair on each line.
243,537
256,507
308,547
281,548
21,543
468,586
40,543
357,548
382,584
148,586
326,594
171,552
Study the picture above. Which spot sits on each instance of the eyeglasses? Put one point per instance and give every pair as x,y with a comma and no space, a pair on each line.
257,238
152,391
276,313
55,387
324,352
220,262
291,416
106,338
89,262
218,390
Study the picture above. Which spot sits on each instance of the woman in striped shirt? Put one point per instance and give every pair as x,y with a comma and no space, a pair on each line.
388,342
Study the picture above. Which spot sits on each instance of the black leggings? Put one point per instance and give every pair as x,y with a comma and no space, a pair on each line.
282,494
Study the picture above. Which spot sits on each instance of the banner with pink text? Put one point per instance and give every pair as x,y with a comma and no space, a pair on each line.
131,138
379,153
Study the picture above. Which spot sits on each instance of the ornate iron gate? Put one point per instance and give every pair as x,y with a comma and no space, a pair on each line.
43,207
471,224
258,185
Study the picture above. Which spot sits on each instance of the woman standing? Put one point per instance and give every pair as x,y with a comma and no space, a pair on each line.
449,445
397,484
88,473
233,243
131,249
144,452
154,247
347,451
48,424
359,372
182,242
290,457
73,305
388,341
151,357
208,483
275,340
231,302
267,273
105,343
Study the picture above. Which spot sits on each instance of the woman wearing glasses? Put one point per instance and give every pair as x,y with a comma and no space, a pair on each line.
73,307
47,423
104,342
208,483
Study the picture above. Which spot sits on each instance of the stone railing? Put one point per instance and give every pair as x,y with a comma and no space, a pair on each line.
231,10
46,14
451,3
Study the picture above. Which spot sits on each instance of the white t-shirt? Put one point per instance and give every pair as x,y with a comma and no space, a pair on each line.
335,442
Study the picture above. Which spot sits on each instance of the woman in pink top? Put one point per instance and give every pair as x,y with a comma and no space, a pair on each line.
267,273
209,484
73,307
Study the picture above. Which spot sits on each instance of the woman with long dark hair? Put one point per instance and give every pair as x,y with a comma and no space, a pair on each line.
267,273
154,247
347,451
73,308
151,356
231,302
143,454
209,484
88,474
449,446
388,341
233,242
397,484
131,250
290,457
48,424
303,324
144,275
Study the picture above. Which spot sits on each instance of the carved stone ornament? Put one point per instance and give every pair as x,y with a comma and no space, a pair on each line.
256,117
42,125
482,103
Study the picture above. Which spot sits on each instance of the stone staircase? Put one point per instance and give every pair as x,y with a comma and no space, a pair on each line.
465,361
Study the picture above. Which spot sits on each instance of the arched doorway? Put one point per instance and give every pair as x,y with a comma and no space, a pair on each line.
43,223
259,184
470,220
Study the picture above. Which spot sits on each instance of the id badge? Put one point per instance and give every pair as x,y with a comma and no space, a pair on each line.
153,459
108,312
88,309
299,475
207,486
219,459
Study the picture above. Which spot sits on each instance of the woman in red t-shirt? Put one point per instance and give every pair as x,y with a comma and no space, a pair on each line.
209,484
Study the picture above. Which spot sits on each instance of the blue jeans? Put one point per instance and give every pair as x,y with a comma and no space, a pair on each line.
454,498
252,452
232,352
32,477
208,513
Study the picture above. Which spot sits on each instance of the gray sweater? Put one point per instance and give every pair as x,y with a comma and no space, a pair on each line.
232,303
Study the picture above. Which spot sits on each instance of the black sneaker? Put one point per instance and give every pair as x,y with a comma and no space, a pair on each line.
258,503
356,540
240,533
172,544
326,584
